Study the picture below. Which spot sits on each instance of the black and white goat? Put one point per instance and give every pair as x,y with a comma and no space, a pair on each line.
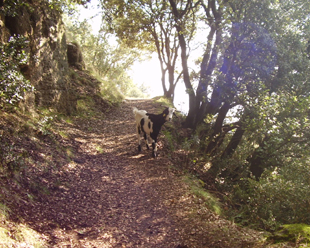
150,125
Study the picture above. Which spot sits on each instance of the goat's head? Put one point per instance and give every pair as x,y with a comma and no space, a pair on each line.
167,113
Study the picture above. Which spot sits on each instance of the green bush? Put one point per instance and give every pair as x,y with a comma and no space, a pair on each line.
12,83
280,197
11,7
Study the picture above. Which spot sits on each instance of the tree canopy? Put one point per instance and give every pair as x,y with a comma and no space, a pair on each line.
108,59
149,25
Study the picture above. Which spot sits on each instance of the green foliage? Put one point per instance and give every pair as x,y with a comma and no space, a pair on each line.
280,197
272,109
44,125
13,84
11,7
132,22
164,101
136,91
67,6
86,107
19,235
4,211
149,26
297,233
106,59
190,148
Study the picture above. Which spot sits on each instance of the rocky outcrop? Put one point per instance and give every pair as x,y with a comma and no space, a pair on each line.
47,69
75,57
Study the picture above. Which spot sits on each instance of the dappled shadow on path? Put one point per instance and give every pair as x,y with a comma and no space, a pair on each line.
102,198
109,195
108,201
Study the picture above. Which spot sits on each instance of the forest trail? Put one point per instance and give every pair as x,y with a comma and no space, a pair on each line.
111,196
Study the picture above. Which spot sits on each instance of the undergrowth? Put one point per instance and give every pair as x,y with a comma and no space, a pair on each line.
279,200
183,149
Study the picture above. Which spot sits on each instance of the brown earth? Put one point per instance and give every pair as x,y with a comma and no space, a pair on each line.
109,195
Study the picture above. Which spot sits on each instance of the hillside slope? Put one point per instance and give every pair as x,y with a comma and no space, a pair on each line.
107,195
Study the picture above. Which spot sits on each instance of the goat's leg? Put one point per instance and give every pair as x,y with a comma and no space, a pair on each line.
146,141
139,138
154,145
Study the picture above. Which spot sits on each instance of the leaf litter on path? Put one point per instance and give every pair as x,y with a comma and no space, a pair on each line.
108,195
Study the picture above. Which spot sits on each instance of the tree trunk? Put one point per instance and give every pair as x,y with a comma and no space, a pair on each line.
257,159
163,79
256,167
217,129
190,119
170,93
234,142
207,67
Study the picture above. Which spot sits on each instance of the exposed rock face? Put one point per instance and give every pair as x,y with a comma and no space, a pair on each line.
75,57
48,69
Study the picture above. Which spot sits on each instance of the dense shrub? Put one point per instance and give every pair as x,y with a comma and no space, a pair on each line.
12,83
280,197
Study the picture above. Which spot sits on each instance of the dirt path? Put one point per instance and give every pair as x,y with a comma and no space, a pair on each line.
111,196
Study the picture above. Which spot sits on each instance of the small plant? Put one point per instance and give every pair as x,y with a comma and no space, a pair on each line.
163,101
4,211
69,152
45,125
85,107
11,160
18,235
63,134
99,149
190,146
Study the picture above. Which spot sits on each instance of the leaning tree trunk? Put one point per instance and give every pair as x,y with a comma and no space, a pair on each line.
217,128
207,68
234,142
